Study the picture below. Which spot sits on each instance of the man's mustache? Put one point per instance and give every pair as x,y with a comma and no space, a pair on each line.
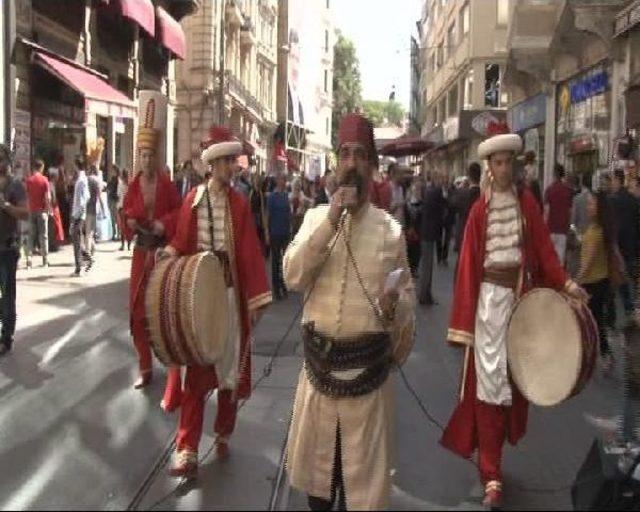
352,178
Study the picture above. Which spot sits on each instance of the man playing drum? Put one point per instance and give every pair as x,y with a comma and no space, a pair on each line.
358,322
150,211
214,217
506,251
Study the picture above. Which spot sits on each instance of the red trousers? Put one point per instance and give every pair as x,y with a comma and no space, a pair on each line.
140,268
199,382
491,422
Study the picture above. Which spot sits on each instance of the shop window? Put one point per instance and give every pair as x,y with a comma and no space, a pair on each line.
492,86
443,109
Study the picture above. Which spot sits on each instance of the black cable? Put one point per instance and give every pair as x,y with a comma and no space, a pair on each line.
266,373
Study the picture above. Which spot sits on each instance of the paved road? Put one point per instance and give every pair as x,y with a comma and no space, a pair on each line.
75,435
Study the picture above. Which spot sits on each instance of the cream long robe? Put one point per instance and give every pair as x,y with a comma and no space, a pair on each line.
339,308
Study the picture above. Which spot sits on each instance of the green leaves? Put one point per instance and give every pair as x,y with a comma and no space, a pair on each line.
347,86
384,113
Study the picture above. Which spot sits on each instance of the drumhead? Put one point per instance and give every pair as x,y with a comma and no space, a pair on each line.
544,347
210,311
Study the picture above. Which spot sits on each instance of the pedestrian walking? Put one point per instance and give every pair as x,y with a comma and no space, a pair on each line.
626,222
279,219
123,186
599,266
558,199
230,234
300,203
13,208
112,200
39,206
94,205
398,203
463,201
448,223
355,328
505,234
432,216
413,216
79,215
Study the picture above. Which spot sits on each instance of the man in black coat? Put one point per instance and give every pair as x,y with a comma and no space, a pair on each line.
463,201
432,218
626,210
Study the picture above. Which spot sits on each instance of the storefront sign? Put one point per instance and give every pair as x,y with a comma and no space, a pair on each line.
592,85
59,111
531,112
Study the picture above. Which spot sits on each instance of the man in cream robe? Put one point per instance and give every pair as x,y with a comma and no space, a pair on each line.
321,267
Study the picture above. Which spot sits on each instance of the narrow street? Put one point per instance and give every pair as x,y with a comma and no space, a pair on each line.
79,437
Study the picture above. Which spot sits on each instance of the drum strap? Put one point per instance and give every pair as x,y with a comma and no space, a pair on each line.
223,257
210,213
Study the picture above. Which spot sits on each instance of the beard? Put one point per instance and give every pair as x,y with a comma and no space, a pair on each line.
352,178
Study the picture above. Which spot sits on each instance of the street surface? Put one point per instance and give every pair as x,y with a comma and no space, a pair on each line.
74,434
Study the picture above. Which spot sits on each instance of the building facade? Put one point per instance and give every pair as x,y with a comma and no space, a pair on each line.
84,74
567,76
306,37
464,55
231,62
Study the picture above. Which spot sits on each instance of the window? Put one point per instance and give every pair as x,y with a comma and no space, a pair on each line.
327,125
328,4
439,55
453,101
492,85
326,81
503,12
326,41
464,19
452,41
468,91
443,109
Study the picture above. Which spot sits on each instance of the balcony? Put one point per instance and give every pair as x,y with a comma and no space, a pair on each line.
242,96
234,15
181,8
247,34
267,52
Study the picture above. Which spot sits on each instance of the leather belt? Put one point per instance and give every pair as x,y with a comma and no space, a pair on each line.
149,242
505,277
369,352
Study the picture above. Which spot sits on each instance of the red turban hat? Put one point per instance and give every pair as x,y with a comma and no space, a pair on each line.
357,129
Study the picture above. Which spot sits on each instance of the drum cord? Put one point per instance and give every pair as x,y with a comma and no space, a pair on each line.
425,411
266,373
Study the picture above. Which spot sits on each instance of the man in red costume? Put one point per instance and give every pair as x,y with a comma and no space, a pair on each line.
150,211
506,251
214,217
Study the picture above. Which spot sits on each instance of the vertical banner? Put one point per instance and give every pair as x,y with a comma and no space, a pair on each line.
159,122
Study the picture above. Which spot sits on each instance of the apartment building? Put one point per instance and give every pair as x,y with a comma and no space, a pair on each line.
231,63
463,58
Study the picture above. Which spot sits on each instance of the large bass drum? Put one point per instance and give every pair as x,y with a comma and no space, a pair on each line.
552,344
188,310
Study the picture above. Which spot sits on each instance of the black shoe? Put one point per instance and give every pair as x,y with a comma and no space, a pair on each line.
77,273
4,349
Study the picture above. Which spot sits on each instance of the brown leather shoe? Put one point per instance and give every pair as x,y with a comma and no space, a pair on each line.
222,449
143,381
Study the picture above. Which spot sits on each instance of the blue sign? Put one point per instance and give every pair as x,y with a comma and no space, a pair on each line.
531,112
592,85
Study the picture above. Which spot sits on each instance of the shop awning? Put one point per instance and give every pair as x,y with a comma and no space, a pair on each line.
170,34
100,97
406,146
138,11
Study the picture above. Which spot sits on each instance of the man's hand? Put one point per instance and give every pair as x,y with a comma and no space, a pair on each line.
577,292
388,302
132,224
255,316
157,228
344,197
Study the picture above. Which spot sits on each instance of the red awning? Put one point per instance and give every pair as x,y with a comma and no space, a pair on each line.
140,12
100,97
406,146
170,33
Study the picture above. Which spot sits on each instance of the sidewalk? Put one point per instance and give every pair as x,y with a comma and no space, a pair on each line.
74,432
